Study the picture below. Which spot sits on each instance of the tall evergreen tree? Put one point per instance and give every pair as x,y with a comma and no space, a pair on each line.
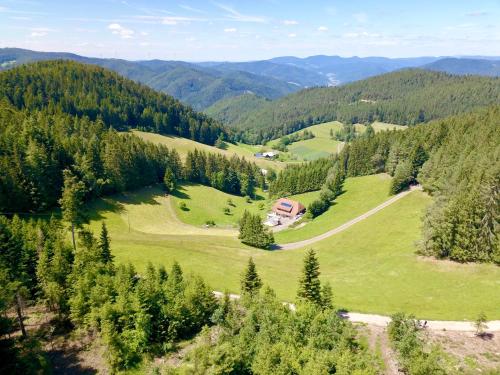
104,245
250,281
309,284
72,202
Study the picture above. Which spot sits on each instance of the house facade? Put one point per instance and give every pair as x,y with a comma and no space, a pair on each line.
288,208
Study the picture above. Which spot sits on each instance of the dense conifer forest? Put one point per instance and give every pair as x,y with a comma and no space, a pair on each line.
406,97
86,90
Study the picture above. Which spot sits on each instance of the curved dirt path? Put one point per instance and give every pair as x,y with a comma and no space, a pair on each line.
310,241
383,321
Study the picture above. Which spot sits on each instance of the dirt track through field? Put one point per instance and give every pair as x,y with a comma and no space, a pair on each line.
383,321
310,241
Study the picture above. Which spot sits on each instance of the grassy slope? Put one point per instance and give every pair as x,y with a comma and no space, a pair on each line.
361,194
372,265
320,146
183,145
195,197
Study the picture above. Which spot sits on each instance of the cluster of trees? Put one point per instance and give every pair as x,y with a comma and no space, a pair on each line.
404,97
134,313
413,356
331,189
301,178
137,314
36,147
234,175
457,161
253,232
289,139
89,91
346,134
261,335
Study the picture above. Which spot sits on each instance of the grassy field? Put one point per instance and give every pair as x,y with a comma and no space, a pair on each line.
198,212
320,146
380,126
372,265
361,194
183,146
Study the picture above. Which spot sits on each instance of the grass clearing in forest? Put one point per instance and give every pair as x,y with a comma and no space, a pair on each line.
183,146
372,265
320,146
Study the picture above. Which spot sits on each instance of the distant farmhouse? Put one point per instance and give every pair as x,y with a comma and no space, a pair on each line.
267,155
284,212
288,208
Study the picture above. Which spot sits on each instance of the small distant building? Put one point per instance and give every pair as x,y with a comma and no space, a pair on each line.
268,155
288,208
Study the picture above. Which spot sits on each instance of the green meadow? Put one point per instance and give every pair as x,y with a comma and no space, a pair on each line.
372,266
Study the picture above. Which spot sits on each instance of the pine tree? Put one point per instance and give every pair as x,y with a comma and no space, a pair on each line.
104,245
169,181
327,296
309,284
250,282
72,202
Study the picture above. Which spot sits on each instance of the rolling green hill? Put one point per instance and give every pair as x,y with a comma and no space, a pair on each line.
85,90
193,84
466,66
233,110
405,97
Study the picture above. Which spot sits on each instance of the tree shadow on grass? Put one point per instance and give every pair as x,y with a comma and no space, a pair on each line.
180,193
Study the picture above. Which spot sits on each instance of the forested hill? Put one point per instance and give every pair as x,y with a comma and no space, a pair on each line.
85,90
406,97
196,85
466,66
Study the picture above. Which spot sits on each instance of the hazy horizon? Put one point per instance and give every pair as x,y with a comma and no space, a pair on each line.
226,30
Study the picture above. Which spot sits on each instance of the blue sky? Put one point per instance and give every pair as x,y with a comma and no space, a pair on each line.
254,29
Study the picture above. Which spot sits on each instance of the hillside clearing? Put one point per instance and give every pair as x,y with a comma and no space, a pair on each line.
361,194
372,266
183,146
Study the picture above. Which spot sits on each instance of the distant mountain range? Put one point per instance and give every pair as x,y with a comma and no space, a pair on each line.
204,84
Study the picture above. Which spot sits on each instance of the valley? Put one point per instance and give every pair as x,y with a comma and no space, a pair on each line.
344,217
368,272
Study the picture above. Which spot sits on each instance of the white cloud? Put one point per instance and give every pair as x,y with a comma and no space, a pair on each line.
191,9
237,16
362,34
290,22
292,35
477,13
38,34
230,30
174,20
144,33
322,28
123,32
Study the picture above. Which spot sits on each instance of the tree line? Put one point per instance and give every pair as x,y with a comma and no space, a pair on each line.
301,178
37,147
89,91
457,161
232,175
405,97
